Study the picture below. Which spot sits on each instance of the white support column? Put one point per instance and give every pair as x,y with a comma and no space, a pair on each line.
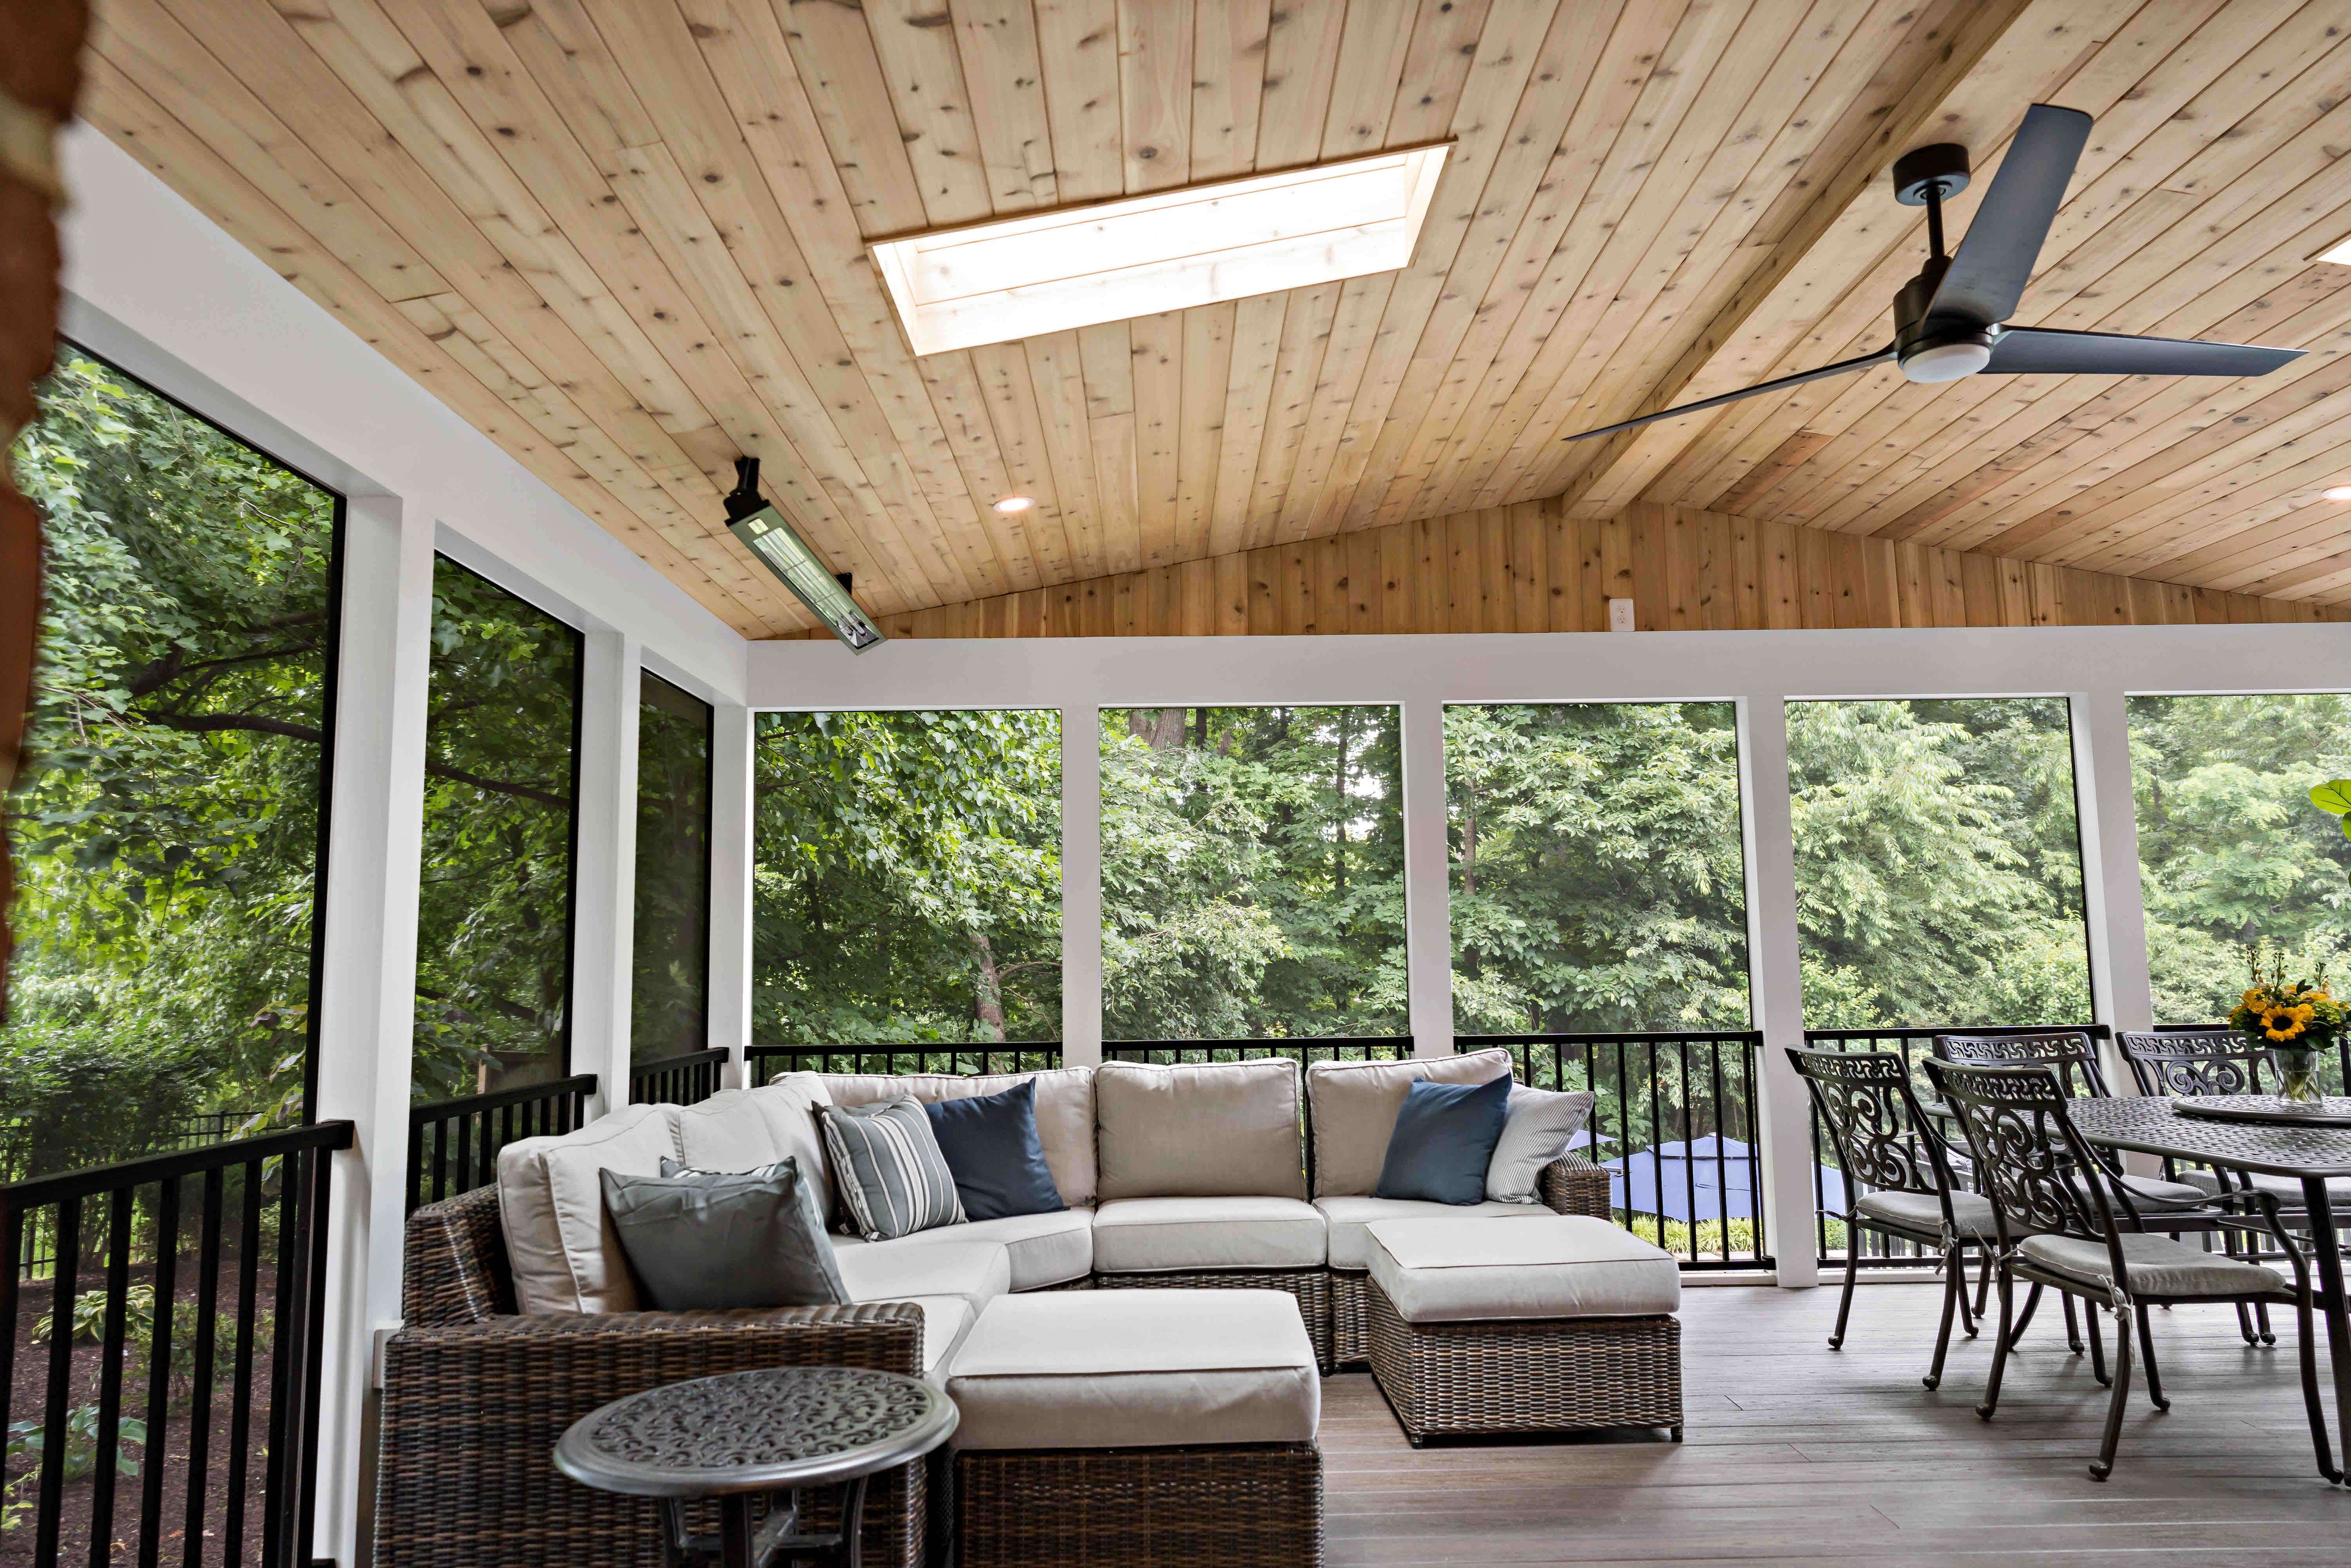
1776,987
1427,873
366,1003
2120,991
603,925
1081,916
734,735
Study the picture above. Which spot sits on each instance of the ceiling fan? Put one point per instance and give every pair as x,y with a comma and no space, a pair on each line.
1950,320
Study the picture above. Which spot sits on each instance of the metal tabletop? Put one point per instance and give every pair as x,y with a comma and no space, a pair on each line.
764,1431
2148,1125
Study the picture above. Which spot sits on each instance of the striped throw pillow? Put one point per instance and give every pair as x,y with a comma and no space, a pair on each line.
894,1180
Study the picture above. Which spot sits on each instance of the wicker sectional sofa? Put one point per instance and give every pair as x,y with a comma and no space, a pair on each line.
520,1316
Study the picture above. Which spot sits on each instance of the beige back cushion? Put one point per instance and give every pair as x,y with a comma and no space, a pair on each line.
566,1256
1226,1130
1065,1112
1355,1106
743,1129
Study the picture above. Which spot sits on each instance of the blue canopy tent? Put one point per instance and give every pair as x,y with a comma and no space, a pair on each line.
1699,1181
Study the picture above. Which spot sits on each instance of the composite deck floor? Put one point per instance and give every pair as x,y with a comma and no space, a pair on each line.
1796,1453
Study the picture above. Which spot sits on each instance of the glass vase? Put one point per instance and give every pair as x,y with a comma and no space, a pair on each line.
2298,1071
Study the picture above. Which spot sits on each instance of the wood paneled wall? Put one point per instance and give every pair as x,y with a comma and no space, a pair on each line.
1529,567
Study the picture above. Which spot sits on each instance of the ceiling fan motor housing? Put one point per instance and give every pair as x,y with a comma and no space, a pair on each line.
1936,347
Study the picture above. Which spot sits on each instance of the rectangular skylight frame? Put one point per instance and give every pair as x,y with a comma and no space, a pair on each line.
2339,253
1170,250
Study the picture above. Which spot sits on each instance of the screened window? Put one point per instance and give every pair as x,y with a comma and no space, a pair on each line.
166,822
494,915
907,877
1598,880
670,988
2230,851
1252,873
1939,866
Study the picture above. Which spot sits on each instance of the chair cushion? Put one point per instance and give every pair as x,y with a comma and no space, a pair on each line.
1042,1249
1533,1266
1444,1141
2158,1266
2287,1191
2154,1191
1159,1235
945,1322
744,1129
1206,1130
1137,1369
990,1145
1349,1217
1923,1211
1065,1112
565,1254
1355,1106
1535,1131
886,1162
881,1271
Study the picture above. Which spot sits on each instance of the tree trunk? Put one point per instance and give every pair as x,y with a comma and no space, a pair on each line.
40,76
988,995
1339,810
1468,869
1167,734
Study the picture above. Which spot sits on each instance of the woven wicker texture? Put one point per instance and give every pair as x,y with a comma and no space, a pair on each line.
456,1263
1244,1507
1310,1286
1574,1186
1556,1376
472,1410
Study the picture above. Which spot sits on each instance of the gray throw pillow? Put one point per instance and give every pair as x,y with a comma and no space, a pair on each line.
701,1241
894,1179
1536,1127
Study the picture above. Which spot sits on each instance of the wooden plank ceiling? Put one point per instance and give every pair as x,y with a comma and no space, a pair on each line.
625,238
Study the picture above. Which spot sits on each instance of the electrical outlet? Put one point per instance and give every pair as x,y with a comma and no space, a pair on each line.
1620,616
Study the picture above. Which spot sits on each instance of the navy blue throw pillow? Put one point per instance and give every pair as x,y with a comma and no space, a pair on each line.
1444,1140
991,1147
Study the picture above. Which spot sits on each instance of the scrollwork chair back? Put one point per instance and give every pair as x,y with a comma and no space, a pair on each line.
1883,1140
2070,1054
2028,1157
2213,1061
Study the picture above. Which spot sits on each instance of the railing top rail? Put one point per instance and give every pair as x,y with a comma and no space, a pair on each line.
35,1191
1928,1031
1610,1037
1297,1043
901,1048
433,1111
690,1059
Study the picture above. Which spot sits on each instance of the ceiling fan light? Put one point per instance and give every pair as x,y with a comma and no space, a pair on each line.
2337,493
1945,363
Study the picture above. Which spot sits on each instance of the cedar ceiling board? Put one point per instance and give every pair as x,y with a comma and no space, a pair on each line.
626,239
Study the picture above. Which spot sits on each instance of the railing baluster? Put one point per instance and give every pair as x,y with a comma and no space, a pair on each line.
9,1306
199,1414
108,1433
159,1370
60,1389
285,1345
240,1418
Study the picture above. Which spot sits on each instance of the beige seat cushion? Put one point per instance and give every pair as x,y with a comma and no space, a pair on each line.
945,1322
1043,1249
1065,1112
1354,1107
1533,1266
1350,1221
2287,1191
743,1129
2158,1266
1221,1130
1159,1235
566,1256
879,1272
1137,1369
1923,1211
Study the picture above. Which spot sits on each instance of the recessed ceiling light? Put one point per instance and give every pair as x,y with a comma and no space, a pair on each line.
2339,493
2338,253
1015,277
1012,504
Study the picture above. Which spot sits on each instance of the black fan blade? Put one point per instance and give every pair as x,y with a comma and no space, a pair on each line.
1993,265
2021,351
1799,378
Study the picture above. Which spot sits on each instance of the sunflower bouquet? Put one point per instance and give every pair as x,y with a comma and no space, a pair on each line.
2295,1020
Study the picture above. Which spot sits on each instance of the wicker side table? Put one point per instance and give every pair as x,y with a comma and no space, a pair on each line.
746,1436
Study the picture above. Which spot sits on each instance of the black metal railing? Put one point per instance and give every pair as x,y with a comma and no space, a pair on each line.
1915,1044
686,1080
1329,1048
762,1062
453,1144
1674,1123
169,1395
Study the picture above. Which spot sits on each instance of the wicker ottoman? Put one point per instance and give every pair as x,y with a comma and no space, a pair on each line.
1147,1429
1551,1325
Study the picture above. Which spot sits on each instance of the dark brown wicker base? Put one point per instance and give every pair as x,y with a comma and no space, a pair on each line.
1310,1286
1559,1374
1350,1326
1251,1506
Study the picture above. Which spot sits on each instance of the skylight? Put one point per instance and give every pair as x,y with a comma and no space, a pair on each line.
993,282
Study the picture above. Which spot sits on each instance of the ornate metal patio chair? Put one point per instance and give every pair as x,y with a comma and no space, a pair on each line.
2054,1209
1884,1140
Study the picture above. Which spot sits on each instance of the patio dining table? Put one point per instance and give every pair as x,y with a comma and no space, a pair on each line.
2149,1125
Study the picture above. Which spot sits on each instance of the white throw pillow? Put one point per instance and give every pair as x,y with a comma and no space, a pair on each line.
1535,1130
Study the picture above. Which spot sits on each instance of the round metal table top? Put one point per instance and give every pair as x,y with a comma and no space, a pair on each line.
2335,1111
755,1431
